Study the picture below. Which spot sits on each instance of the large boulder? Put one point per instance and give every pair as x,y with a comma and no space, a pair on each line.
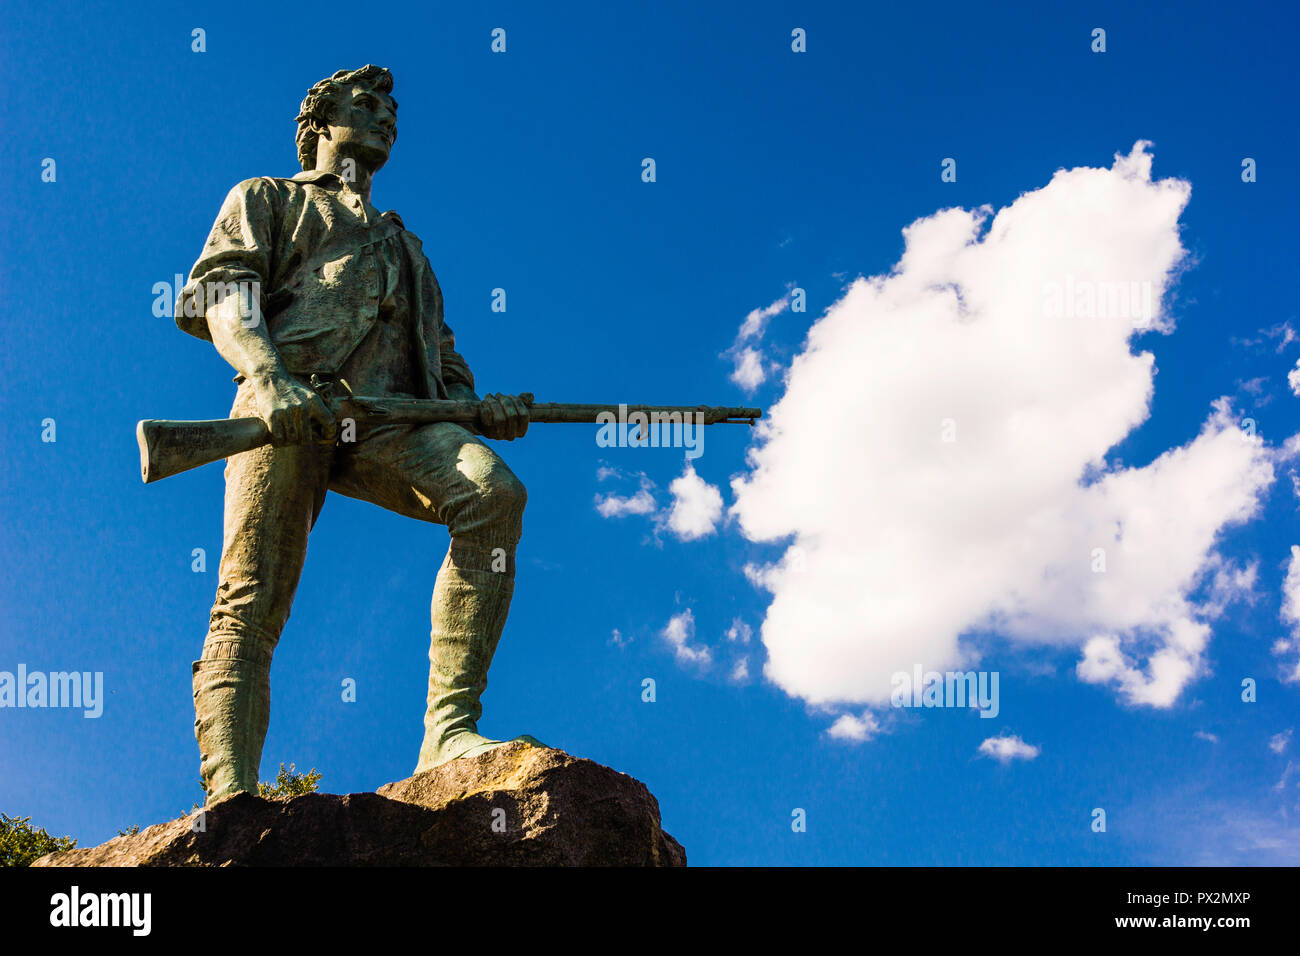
516,805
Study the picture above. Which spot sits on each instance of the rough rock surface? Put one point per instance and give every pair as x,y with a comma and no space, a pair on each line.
558,811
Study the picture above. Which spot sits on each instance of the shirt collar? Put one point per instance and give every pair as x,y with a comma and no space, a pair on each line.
333,181
319,177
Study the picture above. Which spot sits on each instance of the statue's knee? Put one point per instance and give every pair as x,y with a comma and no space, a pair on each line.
502,497
509,491
501,502
490,504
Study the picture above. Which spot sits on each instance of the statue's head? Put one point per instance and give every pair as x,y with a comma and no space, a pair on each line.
354,111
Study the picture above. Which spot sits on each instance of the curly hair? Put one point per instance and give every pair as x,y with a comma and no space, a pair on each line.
318,106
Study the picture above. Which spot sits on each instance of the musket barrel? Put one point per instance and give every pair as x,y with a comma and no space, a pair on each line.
561,412
417,410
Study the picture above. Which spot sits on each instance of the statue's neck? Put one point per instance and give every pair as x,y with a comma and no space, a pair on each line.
356,177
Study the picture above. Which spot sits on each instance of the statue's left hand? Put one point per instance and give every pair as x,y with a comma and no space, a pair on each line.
503,416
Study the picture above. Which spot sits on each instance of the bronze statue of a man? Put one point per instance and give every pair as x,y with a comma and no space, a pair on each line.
344,292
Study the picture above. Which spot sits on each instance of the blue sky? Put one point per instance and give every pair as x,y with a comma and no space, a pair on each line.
775,170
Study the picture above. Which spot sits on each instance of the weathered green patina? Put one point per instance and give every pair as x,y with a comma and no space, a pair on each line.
303,276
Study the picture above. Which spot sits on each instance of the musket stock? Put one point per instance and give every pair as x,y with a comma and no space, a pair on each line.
168,448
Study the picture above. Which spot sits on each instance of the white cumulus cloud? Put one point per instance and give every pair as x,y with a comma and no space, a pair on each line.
963,483
749,372
1007,748
693,512
696,508
854,728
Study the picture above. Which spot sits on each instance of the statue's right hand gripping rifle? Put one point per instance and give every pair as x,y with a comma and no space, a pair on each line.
167,448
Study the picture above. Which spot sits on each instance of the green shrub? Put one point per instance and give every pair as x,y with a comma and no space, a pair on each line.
22,844
289,783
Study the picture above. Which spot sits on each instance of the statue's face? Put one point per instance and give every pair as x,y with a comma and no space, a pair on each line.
364,126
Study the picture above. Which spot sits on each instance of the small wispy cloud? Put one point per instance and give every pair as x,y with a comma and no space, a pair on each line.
1282,332
739,632
680,633
1254,386
750,369
612,506
1235,836
620,506
755,323
1290,613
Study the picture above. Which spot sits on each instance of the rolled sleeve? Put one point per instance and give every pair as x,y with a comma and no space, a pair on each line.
237,254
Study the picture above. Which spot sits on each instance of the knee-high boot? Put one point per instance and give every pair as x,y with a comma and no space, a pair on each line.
232,708
468,615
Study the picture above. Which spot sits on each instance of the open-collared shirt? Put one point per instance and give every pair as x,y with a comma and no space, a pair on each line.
327,268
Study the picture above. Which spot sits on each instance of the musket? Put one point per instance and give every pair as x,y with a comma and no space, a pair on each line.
170,447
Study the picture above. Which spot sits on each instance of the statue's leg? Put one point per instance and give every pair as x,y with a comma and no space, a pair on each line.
273,496
444,474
